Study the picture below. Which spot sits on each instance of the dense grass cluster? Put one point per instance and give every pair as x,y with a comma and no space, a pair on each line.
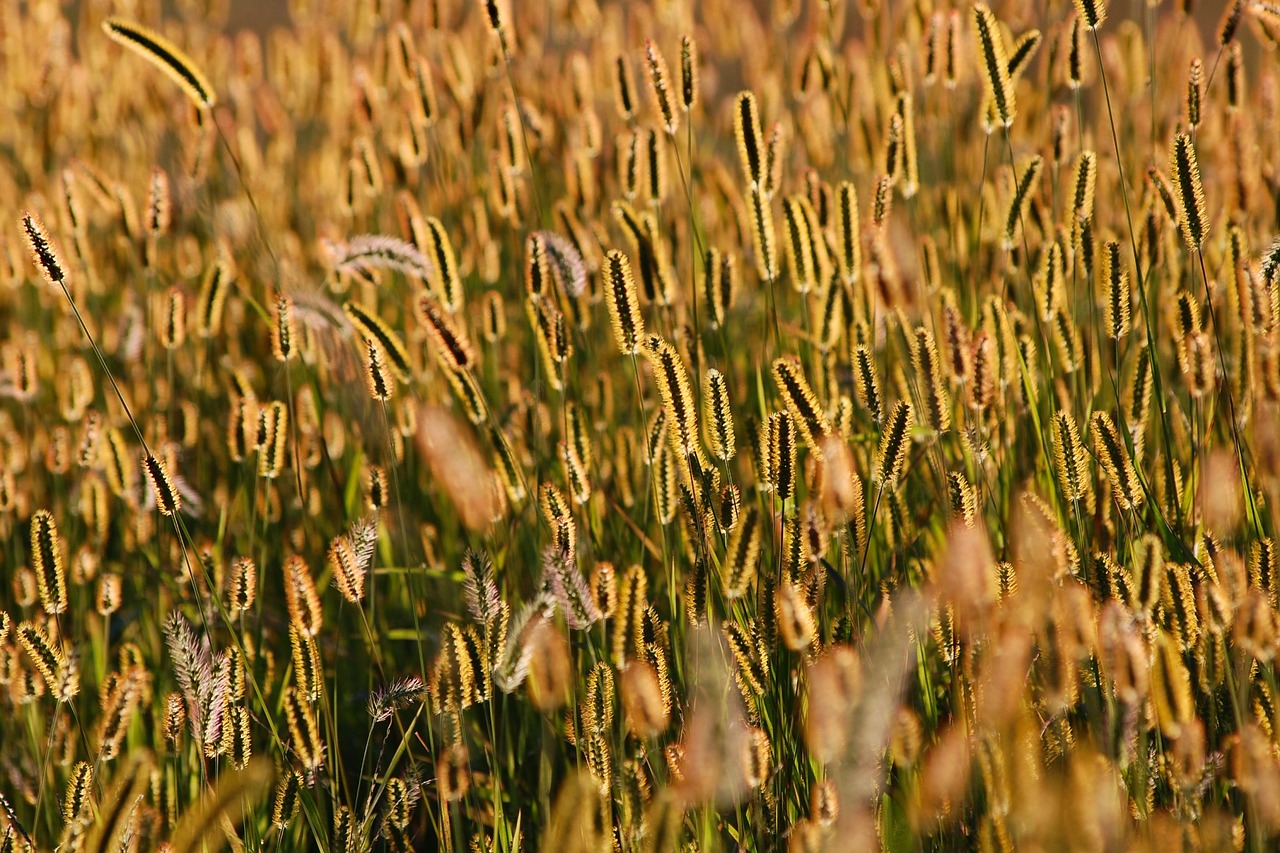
643,426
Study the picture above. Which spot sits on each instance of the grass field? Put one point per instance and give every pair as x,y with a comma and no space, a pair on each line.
640,426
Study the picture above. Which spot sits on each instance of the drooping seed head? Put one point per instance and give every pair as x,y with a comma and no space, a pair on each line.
995,63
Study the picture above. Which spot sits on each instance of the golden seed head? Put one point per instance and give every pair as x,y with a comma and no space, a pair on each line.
47,562
995,63
163,54
750,136
1091,12
1192,211
43,250
894,444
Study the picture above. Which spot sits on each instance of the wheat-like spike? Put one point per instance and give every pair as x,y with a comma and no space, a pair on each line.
511,152
881,203
284,329
667,491
799,257
893,149
373,329
910,161
956,337
43,250
672,379
894,445
1180,607
718,412
547,322
1263,568
831,315
623,90
1232,14
173,322
928,365
1118,298
1195,83
424,105
163,54
274,440
796,392
632,601
688,72
495,317
348,570
1164,191
743,554
1235,77
1116,462
660,79
1147,576
934,49
159,214
1171,691
655,167
796,623
301,598
79,795
1084,244
537,265
1024,50
1084,183
168,499
445,277
1069,458
1024,190
46,560
379,493
773,160
1059,135
308,673
995,63
1139,398
763,237
624,303
242,590
1192,213
451,343
304,733
553,504
1200,367
508,467
577,472
720,274
1092,12
577,436
784,439
212,298
494,14
345,833
1075,54
866,383
54,667
963,496
750,136
951,55
848,233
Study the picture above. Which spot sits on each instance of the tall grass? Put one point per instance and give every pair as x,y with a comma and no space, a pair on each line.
394,456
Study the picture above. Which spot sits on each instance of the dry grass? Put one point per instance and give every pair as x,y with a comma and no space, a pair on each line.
594,425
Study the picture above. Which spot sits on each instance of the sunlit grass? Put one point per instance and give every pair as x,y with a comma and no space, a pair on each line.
588,426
